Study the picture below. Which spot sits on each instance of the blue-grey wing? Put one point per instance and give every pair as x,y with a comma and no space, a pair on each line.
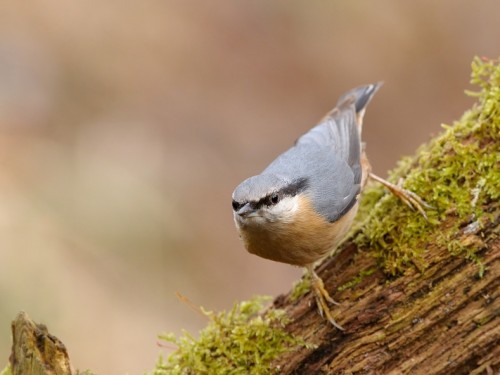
331,182
339,132
329,155
335,184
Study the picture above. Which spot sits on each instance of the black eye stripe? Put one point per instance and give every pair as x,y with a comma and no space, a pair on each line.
275,198
290,190
295,187
271,199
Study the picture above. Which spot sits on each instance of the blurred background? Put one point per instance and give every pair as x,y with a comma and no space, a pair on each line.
125,126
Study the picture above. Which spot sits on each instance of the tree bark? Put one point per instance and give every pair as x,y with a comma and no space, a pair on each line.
35,351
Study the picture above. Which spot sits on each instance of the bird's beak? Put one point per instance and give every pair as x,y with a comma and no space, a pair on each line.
246,210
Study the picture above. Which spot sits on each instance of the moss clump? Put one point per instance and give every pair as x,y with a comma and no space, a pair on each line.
458,173
300,287
240,341
6,371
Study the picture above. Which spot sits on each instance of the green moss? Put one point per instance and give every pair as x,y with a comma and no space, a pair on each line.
457,172
241,341
6,371
85,372
357,280
300,287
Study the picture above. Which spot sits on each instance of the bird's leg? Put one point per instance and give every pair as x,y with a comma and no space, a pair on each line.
408,197
322,297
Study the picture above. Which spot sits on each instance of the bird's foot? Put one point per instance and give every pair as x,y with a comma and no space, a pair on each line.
322,298
409,197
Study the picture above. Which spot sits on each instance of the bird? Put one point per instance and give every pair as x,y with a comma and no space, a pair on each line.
303,204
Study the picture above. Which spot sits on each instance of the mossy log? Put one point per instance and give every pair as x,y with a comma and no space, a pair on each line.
418,297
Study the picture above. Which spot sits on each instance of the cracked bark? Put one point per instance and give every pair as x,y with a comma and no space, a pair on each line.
443,320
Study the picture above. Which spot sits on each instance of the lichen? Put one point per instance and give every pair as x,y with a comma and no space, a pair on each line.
241,341
458,173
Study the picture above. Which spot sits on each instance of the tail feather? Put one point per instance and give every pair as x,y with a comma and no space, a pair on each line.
362,96
340,129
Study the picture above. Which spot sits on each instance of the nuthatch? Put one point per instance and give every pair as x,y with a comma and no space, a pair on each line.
302,205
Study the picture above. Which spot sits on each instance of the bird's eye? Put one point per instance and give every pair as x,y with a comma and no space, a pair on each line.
236,205
275,198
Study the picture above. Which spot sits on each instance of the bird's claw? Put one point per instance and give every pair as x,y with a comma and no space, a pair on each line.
411,199
323,298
